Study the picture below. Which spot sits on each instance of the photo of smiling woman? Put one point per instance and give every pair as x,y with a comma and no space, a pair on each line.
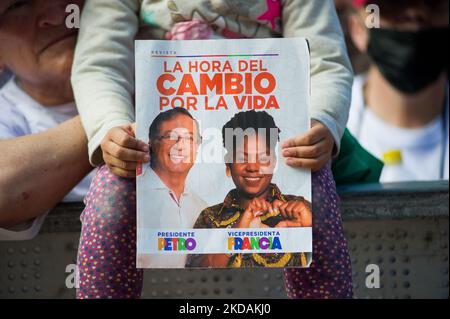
256,202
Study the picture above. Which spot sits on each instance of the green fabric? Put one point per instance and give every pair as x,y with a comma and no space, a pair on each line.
355,165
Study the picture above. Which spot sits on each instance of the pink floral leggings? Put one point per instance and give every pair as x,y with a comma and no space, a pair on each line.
107,250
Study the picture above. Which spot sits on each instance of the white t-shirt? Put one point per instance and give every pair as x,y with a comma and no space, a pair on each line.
424,152
20,116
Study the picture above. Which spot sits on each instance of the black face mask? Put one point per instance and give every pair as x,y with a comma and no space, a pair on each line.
410,61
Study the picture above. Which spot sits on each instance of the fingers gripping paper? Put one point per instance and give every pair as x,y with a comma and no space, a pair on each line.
217,192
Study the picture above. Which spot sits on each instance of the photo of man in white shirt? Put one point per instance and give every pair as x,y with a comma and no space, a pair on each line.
174,141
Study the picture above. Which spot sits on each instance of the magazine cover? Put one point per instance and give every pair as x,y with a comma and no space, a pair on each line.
217,192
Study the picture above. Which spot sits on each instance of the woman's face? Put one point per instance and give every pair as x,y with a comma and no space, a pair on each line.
36,45
253,166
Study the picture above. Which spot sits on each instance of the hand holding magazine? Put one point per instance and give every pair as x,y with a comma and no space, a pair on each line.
217,192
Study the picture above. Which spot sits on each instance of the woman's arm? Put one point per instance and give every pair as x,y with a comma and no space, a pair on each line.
38,170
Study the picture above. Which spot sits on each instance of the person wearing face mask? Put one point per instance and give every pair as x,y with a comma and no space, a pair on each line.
400,106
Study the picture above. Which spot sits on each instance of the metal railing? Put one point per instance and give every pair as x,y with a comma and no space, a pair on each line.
400,228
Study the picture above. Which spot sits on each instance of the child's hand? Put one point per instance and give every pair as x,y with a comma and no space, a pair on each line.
122,151
312,150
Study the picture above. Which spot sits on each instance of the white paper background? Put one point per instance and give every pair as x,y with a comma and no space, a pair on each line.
291,69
